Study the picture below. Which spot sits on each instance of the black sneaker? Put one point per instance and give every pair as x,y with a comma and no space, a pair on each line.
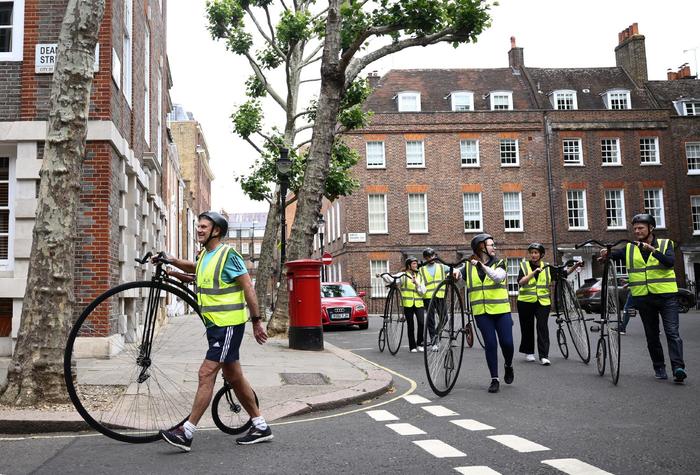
660,373
255,435
493,388
679,375
509,376
176,438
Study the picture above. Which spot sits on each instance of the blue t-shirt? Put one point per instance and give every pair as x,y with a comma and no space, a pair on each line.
233,267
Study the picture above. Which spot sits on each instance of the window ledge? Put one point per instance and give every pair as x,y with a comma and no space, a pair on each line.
378,233
510,166
415,166
651,164
479,166
693,172
473,231
616,229
513,230
611,164
376,168
582,229
574,164
419,232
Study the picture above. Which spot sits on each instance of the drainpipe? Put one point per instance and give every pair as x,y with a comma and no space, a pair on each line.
550,186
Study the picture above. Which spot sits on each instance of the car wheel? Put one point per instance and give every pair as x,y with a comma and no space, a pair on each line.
364,326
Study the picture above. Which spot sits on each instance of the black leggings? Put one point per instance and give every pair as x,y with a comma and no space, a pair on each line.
409,312
528,312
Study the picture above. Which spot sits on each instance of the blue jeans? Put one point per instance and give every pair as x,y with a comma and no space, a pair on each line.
491,326
650,308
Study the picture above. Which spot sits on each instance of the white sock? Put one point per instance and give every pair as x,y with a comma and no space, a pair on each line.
189,429
259,422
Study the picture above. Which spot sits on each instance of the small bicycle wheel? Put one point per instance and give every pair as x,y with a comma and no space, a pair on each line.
381,339
228,413
394,318
123,366
600,356
561,341
613,313
575,322
469,331
443,359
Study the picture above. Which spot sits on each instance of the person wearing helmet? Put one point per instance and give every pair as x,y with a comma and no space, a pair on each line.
223,290
652,283
534,302
412,290
485,277
432,273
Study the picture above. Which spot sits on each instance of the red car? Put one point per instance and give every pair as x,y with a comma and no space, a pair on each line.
342,306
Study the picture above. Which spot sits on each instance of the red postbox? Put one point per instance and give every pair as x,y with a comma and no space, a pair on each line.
304,287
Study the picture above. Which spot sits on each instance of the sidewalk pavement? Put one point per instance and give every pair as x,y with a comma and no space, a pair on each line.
288,382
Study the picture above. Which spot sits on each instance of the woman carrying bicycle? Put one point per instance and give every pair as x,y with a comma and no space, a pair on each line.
412,290
486,279
534,303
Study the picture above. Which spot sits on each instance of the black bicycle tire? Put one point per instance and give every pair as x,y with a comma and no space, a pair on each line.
381,339
469,337
567,294
601,356
394,300
455,332
68,353
215,412
561,341
613,326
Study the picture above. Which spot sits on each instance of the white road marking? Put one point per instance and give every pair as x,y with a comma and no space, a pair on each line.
575,467
405,429
471,424
416,399
518,443
440,411
438,448
477,470
382,415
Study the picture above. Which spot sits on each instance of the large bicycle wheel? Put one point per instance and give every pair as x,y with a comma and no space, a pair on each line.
123,363
443,359
613,314
394,318
228,413
575,321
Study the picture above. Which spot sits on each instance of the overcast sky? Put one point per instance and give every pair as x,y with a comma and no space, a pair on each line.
209,81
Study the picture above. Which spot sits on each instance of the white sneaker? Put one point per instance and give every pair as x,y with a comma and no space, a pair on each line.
530,358
545,362
421,348
434,348
413,350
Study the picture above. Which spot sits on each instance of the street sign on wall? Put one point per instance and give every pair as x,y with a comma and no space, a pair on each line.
45,58
357,237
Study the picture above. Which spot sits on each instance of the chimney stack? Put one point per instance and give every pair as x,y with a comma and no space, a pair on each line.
373,79
631,55
682,73
516,56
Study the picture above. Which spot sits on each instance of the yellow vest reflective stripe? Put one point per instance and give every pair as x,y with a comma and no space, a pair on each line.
220,303
650,277
536,290
431,282
487,296
409,293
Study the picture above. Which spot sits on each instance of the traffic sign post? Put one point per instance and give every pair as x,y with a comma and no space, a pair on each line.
326,260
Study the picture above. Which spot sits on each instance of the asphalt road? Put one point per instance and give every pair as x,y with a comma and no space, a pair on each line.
640,426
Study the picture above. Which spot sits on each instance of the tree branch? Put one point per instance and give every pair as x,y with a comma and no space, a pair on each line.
301,144
303,127
268,39
268,87
309,80
296,116
269,24
254,145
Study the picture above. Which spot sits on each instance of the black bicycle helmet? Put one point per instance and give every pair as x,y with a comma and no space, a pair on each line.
644,218
428,253
538,246
478,239
218,220
410,259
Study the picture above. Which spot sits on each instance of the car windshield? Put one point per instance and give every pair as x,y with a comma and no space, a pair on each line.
337,290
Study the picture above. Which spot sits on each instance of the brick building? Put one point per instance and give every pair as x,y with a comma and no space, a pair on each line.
245,234
122,213
527,154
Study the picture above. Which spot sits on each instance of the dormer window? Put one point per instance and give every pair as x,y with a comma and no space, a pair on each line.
462,101
408,101
501,100
687,106
564,100
617,99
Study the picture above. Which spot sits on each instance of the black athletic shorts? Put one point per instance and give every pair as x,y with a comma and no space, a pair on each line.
224,343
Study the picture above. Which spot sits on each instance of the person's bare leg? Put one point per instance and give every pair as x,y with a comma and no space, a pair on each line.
234,375
207,378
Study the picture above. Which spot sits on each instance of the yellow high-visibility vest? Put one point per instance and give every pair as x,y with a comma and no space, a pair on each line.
650,277
487,296
536,289
409,292
221,304
431,282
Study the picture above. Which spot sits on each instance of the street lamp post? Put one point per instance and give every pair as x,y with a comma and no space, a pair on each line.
252,242
321,228
284,166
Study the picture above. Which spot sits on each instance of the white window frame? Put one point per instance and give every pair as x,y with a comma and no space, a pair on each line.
16,52
695,170
615,143
512,272
499,94
127,50
245,248
460,99
147,85
257,247
159,122
564,94
8,264
660,217
379,289
517,152
584,211
375,163
337,219
615,94
472,213
620,212
508,213
572,147
687,107
695,214
422,154
401,97
644,150
385,229
465,154
424,212
620,268
331,225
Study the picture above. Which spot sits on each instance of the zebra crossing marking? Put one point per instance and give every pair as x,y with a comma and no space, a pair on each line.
574,467
477,470
382,415
439,411
518,443
405,429
471,424
438,448
416,399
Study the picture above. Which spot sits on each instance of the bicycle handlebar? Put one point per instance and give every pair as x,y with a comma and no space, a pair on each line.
601,244
391,276
160,258
568,263
451,266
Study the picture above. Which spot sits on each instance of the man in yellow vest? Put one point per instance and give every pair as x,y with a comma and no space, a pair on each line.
432,274
223,290
534,303
652,284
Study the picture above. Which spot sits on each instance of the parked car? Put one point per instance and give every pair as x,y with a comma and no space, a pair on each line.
588,295
342,306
